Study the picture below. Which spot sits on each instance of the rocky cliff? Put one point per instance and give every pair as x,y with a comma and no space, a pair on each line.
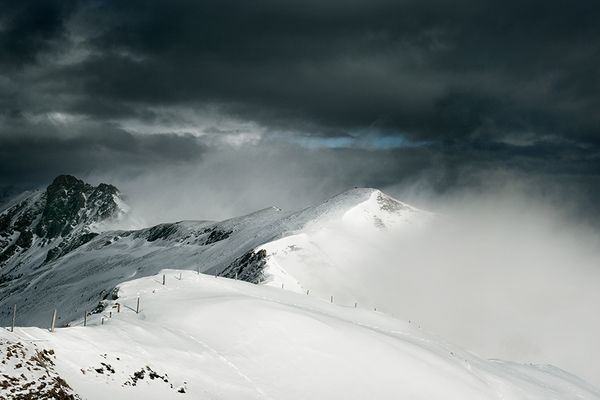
40,226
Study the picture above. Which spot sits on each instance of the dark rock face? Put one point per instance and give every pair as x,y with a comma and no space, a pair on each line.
248,267
162,231
17,226
216,235
57,218
70,201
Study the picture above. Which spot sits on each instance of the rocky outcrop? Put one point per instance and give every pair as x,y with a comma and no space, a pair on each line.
71,202
57,219
248,267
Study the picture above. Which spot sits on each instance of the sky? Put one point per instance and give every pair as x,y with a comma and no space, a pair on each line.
288,103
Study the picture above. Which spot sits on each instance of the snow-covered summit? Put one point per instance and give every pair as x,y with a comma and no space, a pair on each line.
337,239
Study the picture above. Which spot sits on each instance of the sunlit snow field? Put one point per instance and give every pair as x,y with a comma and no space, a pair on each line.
220,338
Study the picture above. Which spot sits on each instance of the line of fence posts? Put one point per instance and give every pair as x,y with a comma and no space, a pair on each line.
85,315
12,328
53,321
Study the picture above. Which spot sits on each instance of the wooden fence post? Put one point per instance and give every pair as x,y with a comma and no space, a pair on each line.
138,306
163,279
332,299
85,319
180,276
355,304
102,320
198,269
118,307
282,285
53,320
236,276
12,328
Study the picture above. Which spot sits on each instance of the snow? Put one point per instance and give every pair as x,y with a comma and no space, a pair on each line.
219,338
328,255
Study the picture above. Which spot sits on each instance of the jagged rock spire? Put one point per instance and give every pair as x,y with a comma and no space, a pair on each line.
58,217
70,202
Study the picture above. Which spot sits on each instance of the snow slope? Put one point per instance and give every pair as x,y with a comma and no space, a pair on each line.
330,253
217,338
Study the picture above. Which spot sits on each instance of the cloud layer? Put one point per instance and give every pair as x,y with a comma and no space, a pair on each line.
469,87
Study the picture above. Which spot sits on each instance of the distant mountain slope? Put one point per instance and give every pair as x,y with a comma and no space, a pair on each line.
73,267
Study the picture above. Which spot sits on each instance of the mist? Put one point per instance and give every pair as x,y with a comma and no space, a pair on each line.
507,276
233,181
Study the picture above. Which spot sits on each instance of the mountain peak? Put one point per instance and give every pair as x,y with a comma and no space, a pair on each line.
71,202
57,219
66,181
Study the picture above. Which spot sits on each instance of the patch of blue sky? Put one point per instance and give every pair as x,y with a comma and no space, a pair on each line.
317,142
384,142
358,141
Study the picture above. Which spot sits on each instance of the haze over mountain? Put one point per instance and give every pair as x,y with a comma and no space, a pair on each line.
60,250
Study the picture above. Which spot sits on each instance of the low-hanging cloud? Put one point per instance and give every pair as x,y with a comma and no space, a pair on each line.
507,275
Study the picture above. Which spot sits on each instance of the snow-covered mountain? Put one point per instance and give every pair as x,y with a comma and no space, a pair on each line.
221,338
67,262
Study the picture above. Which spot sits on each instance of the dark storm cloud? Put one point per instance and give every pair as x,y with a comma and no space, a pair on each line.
351,64
30,27
33,161
330,63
